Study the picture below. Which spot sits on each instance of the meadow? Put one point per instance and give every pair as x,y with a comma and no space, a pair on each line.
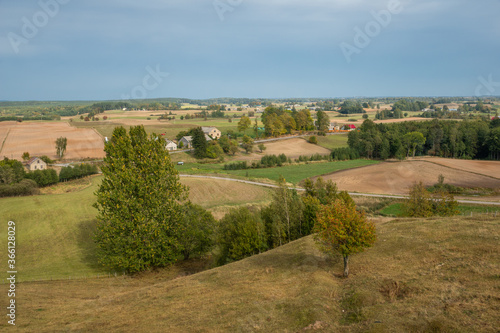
292,173
54,231
434,275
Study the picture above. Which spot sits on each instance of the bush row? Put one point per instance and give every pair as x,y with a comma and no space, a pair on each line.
24,187
77,171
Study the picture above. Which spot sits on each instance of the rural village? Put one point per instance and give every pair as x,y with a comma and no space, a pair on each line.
250,166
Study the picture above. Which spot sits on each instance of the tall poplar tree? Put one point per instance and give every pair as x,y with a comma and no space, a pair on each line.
138,202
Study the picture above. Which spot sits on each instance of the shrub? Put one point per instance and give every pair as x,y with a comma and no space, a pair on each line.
24,187
313,139
43,177
241,234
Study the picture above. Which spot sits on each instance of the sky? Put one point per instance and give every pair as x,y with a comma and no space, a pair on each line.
126,49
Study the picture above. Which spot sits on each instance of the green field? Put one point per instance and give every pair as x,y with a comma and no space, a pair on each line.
332,141
292,173
54,231
296,173
53,234
396,209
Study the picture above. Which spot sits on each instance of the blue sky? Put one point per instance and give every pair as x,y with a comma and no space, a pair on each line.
107,49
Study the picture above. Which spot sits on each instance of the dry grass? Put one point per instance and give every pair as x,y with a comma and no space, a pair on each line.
435,275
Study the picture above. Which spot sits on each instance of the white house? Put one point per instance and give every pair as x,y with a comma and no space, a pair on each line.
171,145
213,132
36,163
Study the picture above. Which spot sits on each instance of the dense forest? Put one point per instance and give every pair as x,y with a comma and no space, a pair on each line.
469,139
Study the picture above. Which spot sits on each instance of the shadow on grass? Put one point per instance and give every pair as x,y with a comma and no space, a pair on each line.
85,241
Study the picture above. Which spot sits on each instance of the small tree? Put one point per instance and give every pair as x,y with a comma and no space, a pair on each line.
340,228
241,233
200,144
419,202
244,123
262,147
26,156
61,146
247,144
196,227
313,140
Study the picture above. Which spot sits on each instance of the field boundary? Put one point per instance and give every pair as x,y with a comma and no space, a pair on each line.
457,169
4,139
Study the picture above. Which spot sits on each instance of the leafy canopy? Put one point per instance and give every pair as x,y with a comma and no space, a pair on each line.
138,203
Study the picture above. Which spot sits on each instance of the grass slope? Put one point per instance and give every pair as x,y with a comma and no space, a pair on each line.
54,231
435,275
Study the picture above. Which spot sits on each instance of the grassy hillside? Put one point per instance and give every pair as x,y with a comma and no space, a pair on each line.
54,231
435,275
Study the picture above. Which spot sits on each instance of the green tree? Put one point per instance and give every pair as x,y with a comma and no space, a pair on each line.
247,144
241,233
244,123
200,144
284,216
233,147
196,227
340,228
214,150
419,203
61,146
138,202
412,141
323,121
262,147
26,156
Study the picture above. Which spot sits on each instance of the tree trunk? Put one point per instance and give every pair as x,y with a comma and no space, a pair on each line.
346,266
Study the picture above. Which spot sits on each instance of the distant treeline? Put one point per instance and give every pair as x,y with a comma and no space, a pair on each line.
469,139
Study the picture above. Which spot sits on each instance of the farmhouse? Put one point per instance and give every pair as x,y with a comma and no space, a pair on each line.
213,132
171,145
36,163
187,142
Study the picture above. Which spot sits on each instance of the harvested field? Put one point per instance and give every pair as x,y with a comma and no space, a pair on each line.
292,148
488,168
397,177
210,193
38,138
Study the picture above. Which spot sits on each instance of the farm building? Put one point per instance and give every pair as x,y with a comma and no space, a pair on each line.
187,142
348,127
36,163
213,132
333,127
171,145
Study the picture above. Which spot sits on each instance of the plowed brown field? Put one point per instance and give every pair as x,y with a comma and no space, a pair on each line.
397,177
38,138
292,148
489,168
